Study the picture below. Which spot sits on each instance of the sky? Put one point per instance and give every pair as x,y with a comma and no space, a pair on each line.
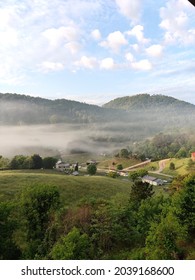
94,51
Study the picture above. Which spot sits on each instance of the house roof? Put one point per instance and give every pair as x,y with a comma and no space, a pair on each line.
150,178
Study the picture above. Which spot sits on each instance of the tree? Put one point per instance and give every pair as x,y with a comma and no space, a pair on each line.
4,162
8,247
164,239
76,168
113,174
184,203
140,191
37,161
49,162
91,169
133,175
18,162
73,246
119,167
37,204
124,153
182,153
172,166
142,172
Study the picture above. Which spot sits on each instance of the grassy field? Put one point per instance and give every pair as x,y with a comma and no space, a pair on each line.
180,167
105,164
72,189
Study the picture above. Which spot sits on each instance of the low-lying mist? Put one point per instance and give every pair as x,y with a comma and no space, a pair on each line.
59,139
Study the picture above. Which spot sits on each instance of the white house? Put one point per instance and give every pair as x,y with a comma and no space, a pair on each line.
152,180
62,166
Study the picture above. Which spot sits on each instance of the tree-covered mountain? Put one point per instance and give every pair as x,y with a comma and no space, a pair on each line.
121,121
22,109
145,102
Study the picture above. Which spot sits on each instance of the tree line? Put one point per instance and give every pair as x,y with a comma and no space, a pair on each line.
27,162
161,146
37,225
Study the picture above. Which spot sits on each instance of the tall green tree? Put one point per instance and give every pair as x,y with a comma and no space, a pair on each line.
8,225
37,161
49,162
37,205
140,191
184,204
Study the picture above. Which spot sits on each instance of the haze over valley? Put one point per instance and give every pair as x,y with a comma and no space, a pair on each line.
56,127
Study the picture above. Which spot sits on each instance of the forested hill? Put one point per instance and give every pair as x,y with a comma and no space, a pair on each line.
150,102
23,109
123,119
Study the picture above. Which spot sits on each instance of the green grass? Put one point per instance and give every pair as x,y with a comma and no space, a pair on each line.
72,189
126,162
180,167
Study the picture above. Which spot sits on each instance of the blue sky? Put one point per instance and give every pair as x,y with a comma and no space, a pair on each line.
97,50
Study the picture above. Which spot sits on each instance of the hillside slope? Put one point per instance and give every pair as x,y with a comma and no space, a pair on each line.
69,125
23,109
150,102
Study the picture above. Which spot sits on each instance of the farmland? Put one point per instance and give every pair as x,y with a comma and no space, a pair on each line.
72,189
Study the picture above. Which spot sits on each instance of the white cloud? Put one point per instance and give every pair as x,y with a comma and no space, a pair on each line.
9,38
135,47
129,57
48,66
56,36
107,63
142,65
42,35
138,32
175,20
114,41
130,8
87,62
155,50
96,34
73,47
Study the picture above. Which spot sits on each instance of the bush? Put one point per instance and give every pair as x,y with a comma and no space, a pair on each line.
91,169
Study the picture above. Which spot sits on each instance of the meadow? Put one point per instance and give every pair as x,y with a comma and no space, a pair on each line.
72,188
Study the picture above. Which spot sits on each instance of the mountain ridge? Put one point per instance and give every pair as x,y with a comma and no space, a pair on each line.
145,101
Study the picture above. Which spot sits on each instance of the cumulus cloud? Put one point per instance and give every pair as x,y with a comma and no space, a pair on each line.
96,34
86,62
175,20
130,9
41,35
129,57
107,63
56,36
114,41
138,32
142,65
155,50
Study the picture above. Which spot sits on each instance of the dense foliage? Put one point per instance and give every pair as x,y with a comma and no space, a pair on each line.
169,145
37,226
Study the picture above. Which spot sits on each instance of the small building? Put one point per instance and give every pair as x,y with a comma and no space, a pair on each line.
62,166
193,156
152,180
91,161
75,173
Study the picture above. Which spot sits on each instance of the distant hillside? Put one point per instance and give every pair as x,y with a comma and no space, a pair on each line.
22,109
75,126
150,102
156,112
